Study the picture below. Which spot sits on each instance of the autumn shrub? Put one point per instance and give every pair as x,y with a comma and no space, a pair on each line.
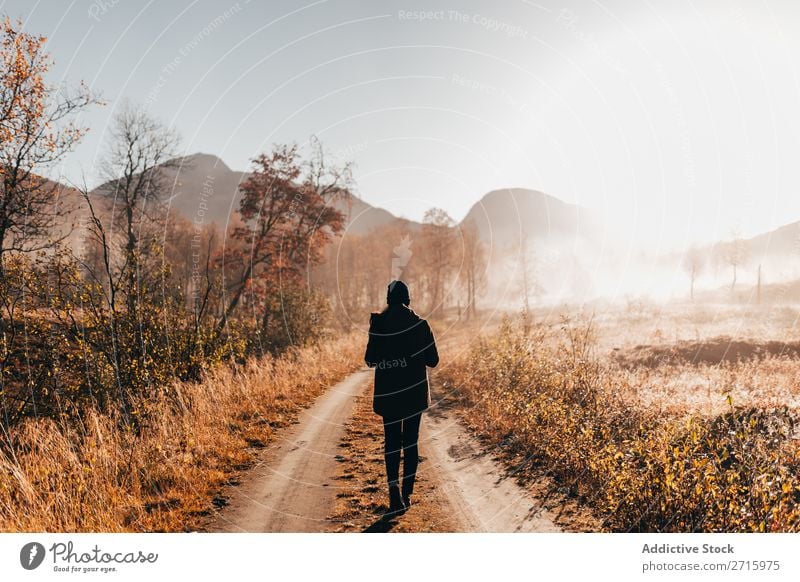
65,346
293,316
553,401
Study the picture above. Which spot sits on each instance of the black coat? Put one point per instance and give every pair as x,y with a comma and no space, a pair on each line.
400,347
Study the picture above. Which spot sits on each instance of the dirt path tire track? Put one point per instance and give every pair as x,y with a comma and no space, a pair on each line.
483,497
293,487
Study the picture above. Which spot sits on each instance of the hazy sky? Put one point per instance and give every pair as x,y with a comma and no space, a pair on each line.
680,120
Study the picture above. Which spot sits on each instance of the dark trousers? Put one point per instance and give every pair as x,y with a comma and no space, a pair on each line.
402,434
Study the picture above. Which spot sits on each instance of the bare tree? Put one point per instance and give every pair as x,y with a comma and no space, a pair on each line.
693,264
438,244
735,254
758,285
103,306
142,151
474,265
527,272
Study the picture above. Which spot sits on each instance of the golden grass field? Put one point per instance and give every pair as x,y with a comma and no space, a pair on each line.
98,478
689,359
655,417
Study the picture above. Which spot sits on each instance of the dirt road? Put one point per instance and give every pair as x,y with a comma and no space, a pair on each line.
481,493
292,489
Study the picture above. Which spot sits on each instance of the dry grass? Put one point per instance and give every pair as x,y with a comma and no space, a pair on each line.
675,447
642,322
704,389
688,359
96,477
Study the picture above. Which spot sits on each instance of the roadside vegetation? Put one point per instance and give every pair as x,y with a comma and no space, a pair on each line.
94,474
605,437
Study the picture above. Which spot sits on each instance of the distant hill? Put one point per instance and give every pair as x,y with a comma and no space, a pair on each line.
506,217
510,218
777,252
781,242
205,188
363,217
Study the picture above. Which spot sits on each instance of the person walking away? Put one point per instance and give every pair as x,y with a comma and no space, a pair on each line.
401,347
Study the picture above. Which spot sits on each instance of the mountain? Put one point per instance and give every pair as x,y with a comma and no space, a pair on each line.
206,189
363,218
772,255
537,245
569,252
775,253
505,218
781,242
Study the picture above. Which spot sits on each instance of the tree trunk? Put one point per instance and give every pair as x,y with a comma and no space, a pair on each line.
235,299
758,289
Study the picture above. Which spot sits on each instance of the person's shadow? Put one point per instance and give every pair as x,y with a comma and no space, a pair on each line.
381,526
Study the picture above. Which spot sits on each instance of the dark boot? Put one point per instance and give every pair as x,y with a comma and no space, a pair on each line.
396,505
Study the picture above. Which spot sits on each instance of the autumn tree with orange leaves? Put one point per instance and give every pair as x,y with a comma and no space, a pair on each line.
288,214
36,130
